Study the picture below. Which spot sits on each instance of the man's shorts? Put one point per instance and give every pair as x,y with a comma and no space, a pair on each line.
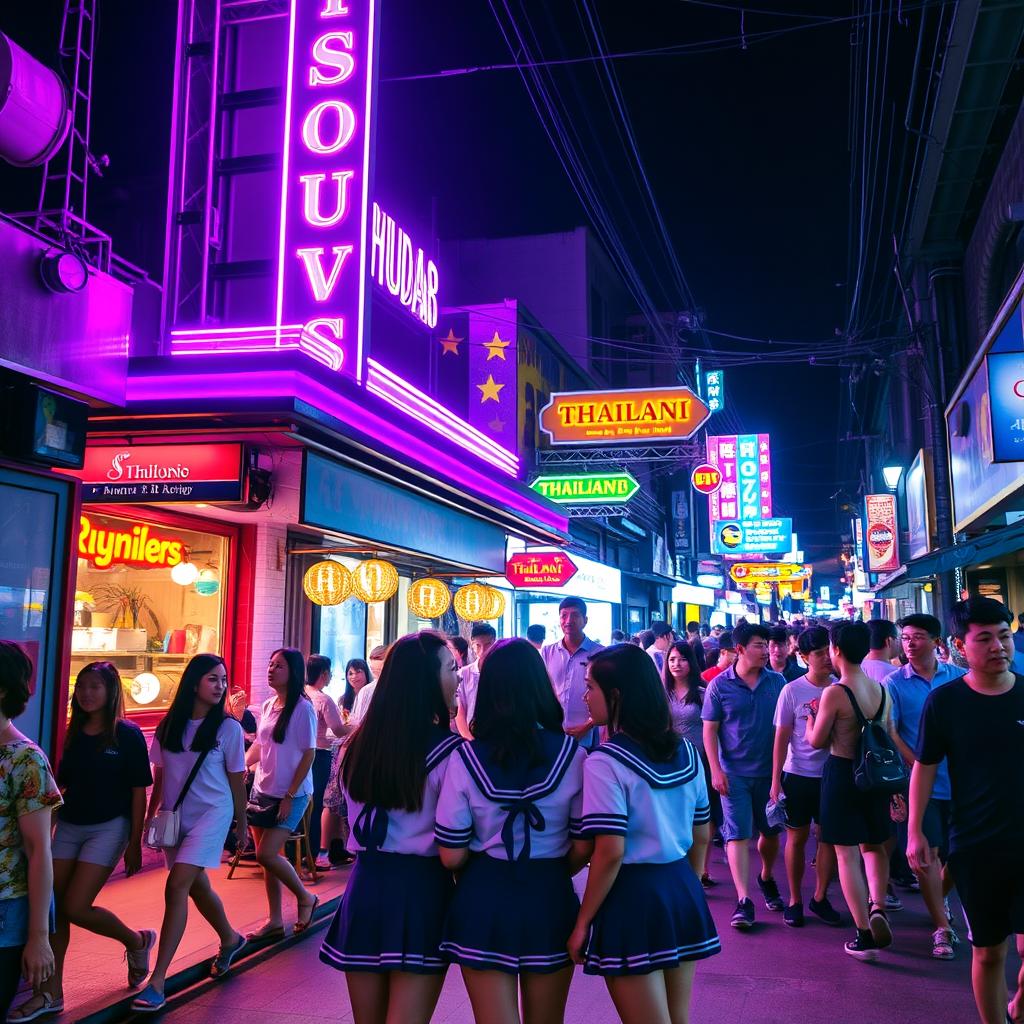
803,800
990,884
937,818
743,809
850,816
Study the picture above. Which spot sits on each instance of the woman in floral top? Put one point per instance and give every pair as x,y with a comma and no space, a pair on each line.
28,794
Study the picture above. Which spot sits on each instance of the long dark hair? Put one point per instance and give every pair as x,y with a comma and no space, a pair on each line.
693,679
171,729
385,761
636,698
514,698
113,709
296,689
348,698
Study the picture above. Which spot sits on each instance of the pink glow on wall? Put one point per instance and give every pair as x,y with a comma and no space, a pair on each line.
319,338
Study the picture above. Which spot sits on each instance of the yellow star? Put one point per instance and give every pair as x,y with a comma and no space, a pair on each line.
489,390
496,347
450,344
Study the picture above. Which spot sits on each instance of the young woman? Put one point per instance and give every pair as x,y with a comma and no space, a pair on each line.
195,727
28,794
283,757
513,797
386,934
644,921
104,774
685,699
330,726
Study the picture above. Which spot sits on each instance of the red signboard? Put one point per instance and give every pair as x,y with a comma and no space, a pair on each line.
880,532
706,478
540,569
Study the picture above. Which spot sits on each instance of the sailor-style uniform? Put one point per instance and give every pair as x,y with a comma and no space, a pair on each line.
655,915
514,905
393,910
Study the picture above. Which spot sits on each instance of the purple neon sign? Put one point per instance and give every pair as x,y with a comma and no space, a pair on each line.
321,270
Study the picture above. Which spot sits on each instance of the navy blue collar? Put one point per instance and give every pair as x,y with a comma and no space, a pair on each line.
504,784
442,747
681,769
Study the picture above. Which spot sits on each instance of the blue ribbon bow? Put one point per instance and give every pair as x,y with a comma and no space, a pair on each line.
532,819
371,827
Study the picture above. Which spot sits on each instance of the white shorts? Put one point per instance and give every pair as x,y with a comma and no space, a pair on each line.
103,843
202,843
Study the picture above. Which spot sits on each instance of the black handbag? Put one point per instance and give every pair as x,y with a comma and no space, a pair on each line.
262,811
879,767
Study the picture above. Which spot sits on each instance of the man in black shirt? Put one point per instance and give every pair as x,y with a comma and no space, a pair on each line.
977,724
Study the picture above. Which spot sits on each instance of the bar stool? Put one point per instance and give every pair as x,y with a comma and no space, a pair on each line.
301,852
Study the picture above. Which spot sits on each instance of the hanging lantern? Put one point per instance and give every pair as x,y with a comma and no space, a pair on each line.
374,580
429,598
327,583
497,598
475,601
208,583
185,573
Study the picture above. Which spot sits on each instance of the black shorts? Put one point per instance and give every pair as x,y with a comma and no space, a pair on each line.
990,884
937,817
849,816
803,800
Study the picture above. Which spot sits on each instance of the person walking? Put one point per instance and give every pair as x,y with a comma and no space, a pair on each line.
644,921
482,637
198,756
28,796
566,662
330,728
103,774
975,726
885,649
283,787
663,639
386,934
796,779
739,706
726,657
508,819
856,822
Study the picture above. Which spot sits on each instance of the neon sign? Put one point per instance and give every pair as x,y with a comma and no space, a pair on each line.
587,488
138,546
402,269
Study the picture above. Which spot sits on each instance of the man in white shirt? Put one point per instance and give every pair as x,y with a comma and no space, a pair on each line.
663,637
365,695
481,637
566,662
885,648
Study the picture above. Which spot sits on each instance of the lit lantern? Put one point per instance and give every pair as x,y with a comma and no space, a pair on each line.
374,580
429,598
497,603
208,583
185,573
327,583
475,601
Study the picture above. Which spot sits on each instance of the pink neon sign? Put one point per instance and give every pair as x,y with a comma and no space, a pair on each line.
324,190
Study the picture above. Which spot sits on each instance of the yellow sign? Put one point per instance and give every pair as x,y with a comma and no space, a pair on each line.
750,573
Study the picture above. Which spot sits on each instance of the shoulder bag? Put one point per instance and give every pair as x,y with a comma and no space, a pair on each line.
164,828
879,767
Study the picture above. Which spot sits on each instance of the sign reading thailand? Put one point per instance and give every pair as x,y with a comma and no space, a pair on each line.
322,250
587,488
714,389
540,569
139,546
706,479
1006,404
626,417
880,532
750,573
162,473
401,269
745,464
759,536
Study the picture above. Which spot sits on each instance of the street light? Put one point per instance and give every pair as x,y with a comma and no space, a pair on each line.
891,475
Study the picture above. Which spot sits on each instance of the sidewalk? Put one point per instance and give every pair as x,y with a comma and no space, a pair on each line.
95,975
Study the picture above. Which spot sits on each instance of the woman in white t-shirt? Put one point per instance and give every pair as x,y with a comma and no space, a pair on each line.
196,723
283,757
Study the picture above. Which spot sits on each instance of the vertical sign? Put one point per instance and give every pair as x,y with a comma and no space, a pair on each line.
764,469
722,455
745,463
714,390
321,272
880,532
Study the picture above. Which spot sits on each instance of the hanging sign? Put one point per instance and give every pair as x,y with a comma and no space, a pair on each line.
768,572
587,488
540,569
760,536
880,532
714,390
706,479
624,417
745,464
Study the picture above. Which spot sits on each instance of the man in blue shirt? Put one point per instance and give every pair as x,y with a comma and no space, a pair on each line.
566,662
738,713
909,688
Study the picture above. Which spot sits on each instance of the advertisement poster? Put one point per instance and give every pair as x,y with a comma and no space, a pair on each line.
881,535
763,536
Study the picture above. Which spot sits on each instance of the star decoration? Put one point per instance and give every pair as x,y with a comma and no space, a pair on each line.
497,425
450,343
496,347
490,390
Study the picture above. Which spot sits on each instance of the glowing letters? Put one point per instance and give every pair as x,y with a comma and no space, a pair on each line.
412,280
105,547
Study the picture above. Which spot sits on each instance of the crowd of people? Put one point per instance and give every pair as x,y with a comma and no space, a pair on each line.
470,781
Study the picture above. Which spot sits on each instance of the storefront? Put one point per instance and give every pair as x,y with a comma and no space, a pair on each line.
691,604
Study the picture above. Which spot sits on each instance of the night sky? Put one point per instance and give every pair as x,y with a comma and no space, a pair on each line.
745,148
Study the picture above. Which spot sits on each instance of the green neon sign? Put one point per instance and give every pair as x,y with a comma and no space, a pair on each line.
587,488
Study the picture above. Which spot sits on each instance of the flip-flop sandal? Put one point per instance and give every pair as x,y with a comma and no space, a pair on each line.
226,957
300,925
268,933
50,1007
149,1000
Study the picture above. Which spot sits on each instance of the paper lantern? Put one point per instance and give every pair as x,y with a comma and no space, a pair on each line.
475,601
497,603
374,580
185,573
327,583
429,598
208,583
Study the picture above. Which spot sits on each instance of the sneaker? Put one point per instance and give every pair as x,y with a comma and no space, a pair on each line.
908,882
824,910
881,930
138,959
942,944
794,915
862,947
743,916
707,881
149,1000
892,901
770,891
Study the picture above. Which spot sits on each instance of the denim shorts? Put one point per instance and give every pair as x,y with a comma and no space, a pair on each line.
103,844
743,809
293,820
14,921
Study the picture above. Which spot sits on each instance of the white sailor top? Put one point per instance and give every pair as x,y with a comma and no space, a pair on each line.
513,812
376,829
654,805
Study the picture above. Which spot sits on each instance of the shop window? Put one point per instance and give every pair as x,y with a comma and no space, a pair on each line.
149,596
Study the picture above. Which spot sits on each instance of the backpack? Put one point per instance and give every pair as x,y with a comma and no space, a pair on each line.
879,767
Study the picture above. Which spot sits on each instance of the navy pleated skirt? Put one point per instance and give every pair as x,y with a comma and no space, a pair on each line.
513,916
391,916
654,917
